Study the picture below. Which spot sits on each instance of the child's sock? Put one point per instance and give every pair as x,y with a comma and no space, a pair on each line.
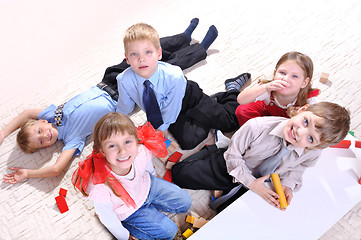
210,37
190,28
221,140
238,82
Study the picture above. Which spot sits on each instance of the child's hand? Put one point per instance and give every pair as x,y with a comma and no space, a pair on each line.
17,176
131,237
276,85
266,193
288,194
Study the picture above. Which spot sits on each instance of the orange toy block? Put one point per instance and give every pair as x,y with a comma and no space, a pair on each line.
63,191
324,77
62,205
189,219
342,144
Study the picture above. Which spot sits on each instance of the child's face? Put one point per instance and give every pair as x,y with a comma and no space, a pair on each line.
120,150
143,57
42,134
294,75
300,130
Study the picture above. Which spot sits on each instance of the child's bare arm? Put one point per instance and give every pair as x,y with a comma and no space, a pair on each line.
18,122
20,174
251,93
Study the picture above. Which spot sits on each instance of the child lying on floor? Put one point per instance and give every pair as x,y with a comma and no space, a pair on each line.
247,160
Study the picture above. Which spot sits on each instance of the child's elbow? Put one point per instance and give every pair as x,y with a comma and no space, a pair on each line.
55,171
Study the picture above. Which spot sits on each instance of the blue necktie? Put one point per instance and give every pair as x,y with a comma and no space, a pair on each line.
151,106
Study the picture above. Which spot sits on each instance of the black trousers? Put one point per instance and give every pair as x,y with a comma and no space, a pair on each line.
200,114
205,169
176,50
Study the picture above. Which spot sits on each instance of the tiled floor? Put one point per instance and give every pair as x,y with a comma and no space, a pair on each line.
51,51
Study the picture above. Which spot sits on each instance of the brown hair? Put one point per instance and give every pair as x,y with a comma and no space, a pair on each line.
23,136
141,31
336,122
306,64
110,124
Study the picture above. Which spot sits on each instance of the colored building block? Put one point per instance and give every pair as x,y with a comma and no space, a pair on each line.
358,144
62,205
190,219
187,233
168,176
279,190
63,191
342,144
175,157
168,142
324,77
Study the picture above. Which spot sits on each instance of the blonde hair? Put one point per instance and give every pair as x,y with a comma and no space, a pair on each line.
336,122
23,137
306,64
141,31
109,124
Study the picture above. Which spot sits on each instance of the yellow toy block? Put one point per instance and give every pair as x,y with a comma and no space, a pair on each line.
187,233
190,219
278,187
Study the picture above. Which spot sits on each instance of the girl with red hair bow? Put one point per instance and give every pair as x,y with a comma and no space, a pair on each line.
127,198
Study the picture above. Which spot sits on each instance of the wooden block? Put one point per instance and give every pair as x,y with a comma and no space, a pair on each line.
169,165
189,219
324,77
199,222
60,201
187,233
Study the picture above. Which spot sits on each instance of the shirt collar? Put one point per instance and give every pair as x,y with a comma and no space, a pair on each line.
278,131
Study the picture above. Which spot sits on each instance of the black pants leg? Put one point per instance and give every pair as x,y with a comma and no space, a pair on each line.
205,169
200,113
